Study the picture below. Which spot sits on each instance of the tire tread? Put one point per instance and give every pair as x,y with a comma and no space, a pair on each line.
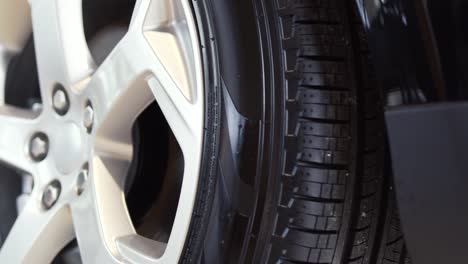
333,102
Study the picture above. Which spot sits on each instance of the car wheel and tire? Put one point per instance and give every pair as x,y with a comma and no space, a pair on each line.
194,131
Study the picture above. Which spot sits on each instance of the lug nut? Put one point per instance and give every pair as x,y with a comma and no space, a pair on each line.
88,117
38,147
81,180
51,194
60,100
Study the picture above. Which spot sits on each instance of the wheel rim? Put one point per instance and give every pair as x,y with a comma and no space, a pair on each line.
157,60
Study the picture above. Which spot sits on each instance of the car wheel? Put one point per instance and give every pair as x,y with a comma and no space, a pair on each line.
195,131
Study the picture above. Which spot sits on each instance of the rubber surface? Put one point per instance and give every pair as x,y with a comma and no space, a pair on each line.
336,202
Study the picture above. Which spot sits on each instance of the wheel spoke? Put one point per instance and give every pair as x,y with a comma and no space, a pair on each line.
158,62
16,128
14,13
100,214
168,27
37,235
139,69
140,250
61,50
118,91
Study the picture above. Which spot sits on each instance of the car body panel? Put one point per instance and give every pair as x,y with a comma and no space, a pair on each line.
420,52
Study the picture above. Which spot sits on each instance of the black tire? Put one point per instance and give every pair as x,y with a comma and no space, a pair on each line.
307,179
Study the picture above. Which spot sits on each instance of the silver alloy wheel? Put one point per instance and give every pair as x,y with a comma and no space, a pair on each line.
157,60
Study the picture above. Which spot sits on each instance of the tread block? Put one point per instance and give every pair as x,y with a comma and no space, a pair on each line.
320,79
327,112
324,129
321,175
312,66
317,14
324,143
316,96
325,157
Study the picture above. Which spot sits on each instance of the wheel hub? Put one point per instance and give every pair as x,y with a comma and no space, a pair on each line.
67,147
